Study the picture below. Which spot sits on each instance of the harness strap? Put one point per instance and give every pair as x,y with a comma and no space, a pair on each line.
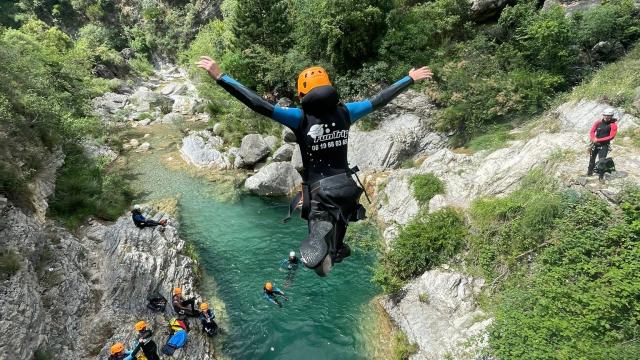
354,171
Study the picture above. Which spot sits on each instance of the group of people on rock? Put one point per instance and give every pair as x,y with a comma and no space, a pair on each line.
178,329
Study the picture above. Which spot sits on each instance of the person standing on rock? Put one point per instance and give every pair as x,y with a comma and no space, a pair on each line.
148,346
330,195
141,222
601,134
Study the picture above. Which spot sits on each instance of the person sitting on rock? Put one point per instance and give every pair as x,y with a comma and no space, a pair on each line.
207,317
290,263
601,134
148,346
141,222
119,353
269,293
330,195
182,306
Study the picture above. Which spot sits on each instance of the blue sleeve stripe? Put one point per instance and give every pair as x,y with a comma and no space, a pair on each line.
406,79
228,79
287,116
358,110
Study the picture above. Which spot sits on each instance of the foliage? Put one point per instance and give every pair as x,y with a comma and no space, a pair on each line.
425,242
580,300
495,138
510,226
83,189
364,235
9,263
402,349
425,187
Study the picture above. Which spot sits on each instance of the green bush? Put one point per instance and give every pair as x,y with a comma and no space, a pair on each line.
425,187
9,263
402,349
510,226
425,242
580,300
364,235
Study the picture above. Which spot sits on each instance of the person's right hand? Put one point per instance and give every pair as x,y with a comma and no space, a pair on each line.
420,74
211,66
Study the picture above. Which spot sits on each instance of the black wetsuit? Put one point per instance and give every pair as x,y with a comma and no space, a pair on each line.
601,134
141,222
209,325
148,346
322,131
179,304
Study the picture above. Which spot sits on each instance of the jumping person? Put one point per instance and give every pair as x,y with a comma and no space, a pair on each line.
601,134
330,195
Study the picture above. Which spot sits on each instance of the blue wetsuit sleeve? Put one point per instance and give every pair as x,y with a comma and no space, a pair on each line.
358,110
269,298
139,218
290,117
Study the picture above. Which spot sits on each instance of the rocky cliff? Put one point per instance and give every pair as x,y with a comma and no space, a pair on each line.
71,295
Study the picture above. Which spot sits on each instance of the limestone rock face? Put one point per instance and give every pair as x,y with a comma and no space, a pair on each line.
580,115
271,142
75,295
95,150
485,9
252,149
275,179
288,135
403,133
203,149
296,158
438,312
108,104
43,185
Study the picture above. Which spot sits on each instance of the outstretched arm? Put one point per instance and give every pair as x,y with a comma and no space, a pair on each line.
358,110
290,117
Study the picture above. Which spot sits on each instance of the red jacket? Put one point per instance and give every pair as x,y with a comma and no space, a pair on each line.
602,132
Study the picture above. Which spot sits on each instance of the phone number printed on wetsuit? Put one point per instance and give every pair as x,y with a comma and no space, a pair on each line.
329,144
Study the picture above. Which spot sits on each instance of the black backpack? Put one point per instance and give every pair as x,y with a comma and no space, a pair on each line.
156,302
605,166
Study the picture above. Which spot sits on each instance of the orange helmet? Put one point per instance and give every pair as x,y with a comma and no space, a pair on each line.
311,78
177,291
204,307
117,348
268,286
140,325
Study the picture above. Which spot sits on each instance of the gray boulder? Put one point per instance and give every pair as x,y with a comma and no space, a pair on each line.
94,150
486,9
145,100
275,179
203,150
296,159
288,135
171,118
271,142
108,104
174,88
127,53
217,129
438,312
283,153
252,149
185,104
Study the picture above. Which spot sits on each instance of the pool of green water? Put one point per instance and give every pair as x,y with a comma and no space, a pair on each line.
241,243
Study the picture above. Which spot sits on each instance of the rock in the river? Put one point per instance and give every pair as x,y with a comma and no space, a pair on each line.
145,146
271,142
288,135
186,105
146,100
439,313
284,152
203,149
94,150
252,149
104,273
275,179
174,88
171,118
296,159
108,104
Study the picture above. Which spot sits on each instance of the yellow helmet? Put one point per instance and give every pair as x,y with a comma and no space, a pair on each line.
204,307
140,325
117,348
177,291
268,286
311,78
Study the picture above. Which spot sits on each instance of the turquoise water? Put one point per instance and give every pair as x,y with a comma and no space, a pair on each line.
241,244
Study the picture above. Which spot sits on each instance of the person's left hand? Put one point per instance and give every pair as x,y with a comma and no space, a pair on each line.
420,74
211,66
